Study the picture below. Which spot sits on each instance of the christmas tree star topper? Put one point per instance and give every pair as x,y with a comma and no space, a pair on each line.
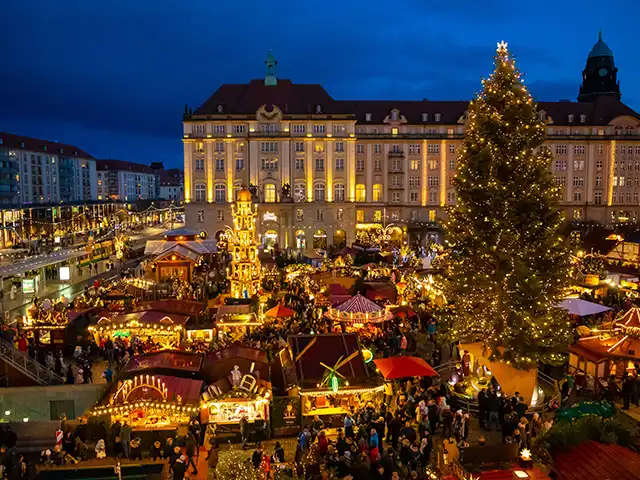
502,47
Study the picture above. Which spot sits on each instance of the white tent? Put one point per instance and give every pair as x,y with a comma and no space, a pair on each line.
581,308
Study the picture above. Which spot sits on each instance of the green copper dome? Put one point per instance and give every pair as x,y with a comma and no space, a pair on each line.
600,49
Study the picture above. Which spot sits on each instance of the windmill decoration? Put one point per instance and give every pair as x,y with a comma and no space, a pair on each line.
330,377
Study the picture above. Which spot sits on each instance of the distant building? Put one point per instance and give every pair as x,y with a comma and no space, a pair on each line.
35,171
126,181
172,184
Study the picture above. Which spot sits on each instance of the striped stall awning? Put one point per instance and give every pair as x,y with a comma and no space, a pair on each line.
359,304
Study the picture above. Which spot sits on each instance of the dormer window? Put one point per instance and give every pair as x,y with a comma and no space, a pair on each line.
318,109
437,117
367,117
583,118
61,150
220,109
570,118
75,154
425,117
394,115
44,148
542,115
21,144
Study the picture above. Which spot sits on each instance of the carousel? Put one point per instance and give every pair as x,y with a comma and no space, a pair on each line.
359,312
151,402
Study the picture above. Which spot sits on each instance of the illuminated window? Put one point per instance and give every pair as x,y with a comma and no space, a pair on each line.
377,215
432,215
415,164
394,131
360,216
361,193
299,215
339,214
377,192
270,193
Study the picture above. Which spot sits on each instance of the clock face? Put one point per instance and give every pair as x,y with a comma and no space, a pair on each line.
603,72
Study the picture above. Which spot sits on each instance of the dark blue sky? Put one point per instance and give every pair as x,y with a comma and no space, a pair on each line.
112,77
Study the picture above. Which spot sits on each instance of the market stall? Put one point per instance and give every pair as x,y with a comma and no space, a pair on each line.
405,366
164,330
240,387
151,402
235,321
46,322
329,374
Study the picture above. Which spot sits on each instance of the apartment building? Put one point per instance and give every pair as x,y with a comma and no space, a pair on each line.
126,181
327,171
172,185
35,171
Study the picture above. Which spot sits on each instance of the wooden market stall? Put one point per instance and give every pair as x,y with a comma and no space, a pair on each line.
235,320
46,323
240,387
607,352
164,330
329,374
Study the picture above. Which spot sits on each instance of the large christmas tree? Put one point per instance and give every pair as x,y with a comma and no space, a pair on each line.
507,263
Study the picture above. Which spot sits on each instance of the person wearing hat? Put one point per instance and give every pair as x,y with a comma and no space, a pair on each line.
180,468
135,449
156,450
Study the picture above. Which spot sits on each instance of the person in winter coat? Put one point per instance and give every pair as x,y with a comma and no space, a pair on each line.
180,468
156,451
212,460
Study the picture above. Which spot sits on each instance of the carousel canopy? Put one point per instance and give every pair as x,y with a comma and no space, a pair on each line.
148,317
280,311
581,308
359,304
401,367
181,307
631,318
167,360
160,247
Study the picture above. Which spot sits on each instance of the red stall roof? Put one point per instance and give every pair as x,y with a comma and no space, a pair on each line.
597,460
401,367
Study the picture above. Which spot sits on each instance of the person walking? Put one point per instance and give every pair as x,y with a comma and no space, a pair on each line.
212,461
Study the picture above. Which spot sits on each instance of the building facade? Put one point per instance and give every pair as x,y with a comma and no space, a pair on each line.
172,185
126,181
36,171
328,172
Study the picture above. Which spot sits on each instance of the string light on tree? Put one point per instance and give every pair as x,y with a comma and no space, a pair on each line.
508,263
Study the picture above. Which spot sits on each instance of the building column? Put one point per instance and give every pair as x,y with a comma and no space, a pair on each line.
611,157
569,187
368,168
286,163
385,172
328,168
423,174
350,166
188,153
229,148
254,160
208,169
443,173
308,168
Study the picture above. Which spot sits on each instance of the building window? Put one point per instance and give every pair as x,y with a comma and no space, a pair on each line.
598,164
319,215
360,165
199,165
452,148
338,192
414,149
598,180
220,215
299,165
299,215
377,215
437,117
433,197
299,128
269,163
396,181
318,129
219,164
396,197
299,146
339,146
414,181
339,164
600,149
218,129
452,164
433,148
597,198
319,192
414,164
268,146
432,215
219,147
200,216
413,197
269,193
239,164
319,164
299,192
367,117
360,216
578,149
359,148
560,165
238,129
433,181
396,165
361,193
577,196
220,194
561,149
578,165
201,193
433,164
377,148
377,165
377,192
199,147
578,181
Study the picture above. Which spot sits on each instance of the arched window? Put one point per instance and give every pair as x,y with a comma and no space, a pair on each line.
320,239
319,193
338,192
201,193
361,193
220,194
299,192
377,192
269,193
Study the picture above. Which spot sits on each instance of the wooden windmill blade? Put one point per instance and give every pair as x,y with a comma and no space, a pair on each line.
305,349
332,370
342,363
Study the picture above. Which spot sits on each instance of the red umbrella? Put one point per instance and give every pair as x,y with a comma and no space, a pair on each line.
400,367
280,311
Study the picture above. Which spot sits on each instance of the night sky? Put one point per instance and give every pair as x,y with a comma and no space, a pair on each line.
113,77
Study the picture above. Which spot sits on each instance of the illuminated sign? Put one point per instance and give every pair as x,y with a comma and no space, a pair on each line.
29,285
65,273
270,217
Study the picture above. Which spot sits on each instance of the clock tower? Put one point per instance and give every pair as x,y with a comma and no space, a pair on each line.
600,75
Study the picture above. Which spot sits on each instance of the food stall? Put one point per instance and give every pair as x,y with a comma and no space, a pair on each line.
329,374
47,322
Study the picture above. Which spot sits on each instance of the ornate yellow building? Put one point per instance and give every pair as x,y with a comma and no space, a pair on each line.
323,169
